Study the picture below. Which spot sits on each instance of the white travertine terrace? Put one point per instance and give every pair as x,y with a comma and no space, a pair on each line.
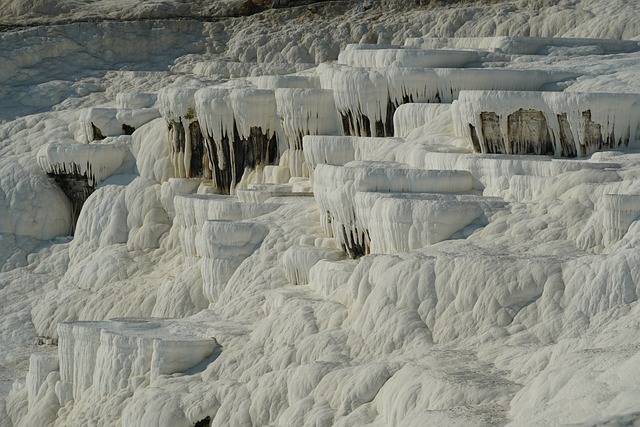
124,353
621,210
523,45
98,123
404,222
340,150
356,55
133,100
192,211
366,98
223,246
297,261
411,116
285,82
335,188
136,117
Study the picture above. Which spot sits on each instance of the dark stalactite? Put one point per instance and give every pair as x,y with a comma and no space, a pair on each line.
178,144
474,139
353,249
230,157
219,163
77,189
567,143
382,128
346,123
205,422
197,151
593,140
490,127
528,133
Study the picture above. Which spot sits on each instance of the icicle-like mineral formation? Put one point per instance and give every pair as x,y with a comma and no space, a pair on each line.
566,124
366,98
305,112
186,145
242,132
78,168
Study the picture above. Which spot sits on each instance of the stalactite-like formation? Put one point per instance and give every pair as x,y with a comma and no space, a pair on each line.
79,168
240,130
562,124
77,188
367,98
187,150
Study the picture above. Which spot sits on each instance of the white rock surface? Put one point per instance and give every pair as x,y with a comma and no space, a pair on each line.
526,314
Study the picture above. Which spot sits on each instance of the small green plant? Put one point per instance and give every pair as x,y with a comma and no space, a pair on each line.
191,114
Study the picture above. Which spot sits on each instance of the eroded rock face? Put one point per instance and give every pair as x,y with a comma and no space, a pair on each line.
567,143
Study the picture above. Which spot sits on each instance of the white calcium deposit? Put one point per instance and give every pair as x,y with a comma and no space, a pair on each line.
339,214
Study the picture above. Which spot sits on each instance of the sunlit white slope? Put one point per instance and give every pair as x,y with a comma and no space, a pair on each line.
30,205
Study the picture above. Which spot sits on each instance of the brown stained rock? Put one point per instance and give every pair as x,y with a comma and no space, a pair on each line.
490,128
593,140
528,133
567,143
